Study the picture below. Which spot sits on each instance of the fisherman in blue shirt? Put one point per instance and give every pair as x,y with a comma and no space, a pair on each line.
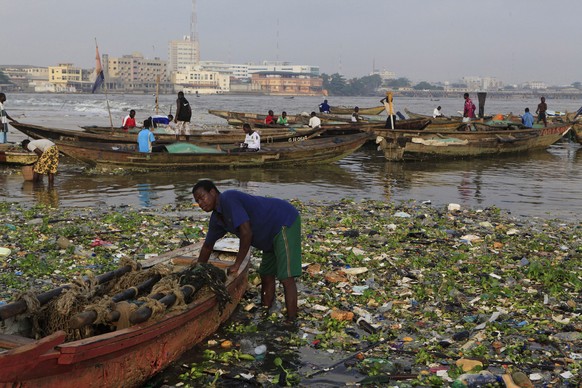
324,107
527,119
270,224
145,137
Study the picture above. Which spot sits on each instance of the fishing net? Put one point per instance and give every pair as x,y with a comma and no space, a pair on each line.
85,295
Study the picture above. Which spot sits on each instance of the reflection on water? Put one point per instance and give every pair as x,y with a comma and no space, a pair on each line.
43,195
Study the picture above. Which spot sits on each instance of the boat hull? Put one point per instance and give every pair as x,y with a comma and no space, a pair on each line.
107,135
319,150
13,155
126,357
403,145
344,110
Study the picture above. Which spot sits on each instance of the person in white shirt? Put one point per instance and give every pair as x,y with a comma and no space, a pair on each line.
314,121
252,139
437,112
356,115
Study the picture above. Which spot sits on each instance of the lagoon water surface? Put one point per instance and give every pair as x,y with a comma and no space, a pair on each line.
542,184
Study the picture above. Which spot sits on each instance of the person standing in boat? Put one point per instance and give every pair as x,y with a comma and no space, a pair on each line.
48,158
4,117
270,119
269,224
183,116
468,109
283,120
542,111
324,107
129,121
145,137
527,119
252,139
314,121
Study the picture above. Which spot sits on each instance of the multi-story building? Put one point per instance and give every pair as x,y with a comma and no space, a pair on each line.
283,67
535,85
195,80
67,78
134,73
286,83
183,53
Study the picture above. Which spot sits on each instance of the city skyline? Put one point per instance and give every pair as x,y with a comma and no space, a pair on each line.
440,41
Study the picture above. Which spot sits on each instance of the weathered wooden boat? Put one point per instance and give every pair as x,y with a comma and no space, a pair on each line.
15,155
92,352
438,120
577,128
401,145
348,110
309,151
239,118
106,135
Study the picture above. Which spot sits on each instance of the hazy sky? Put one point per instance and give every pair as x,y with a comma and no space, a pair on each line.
423,40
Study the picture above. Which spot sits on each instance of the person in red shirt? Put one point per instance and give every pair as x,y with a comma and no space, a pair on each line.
270,119
129,120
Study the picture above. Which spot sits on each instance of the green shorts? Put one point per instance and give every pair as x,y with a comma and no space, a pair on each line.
284,261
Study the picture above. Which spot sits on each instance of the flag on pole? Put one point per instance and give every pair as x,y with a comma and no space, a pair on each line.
100,78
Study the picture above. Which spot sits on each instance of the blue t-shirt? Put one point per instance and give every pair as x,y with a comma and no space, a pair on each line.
266,215
528,120
144,139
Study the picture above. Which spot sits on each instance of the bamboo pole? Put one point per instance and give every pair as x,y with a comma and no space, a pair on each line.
144,313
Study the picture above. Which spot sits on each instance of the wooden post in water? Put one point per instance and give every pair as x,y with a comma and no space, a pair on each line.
481,96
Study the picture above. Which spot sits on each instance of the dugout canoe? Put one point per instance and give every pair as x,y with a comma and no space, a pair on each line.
348,110
309,151
106,135
125,357
14,155
239,118
483,140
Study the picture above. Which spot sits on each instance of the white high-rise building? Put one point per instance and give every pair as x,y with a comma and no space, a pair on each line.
183,53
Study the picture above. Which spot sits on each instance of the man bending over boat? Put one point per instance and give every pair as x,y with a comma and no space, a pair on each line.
48,158
270,224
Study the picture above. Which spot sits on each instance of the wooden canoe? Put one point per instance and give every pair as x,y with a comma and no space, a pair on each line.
401,145
310,151
577,128
124,358
239,118
15,155
348,110
106,135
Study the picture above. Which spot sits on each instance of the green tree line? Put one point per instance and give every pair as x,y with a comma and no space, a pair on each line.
337,85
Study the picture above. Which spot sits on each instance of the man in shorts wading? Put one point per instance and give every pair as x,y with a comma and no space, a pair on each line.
270,224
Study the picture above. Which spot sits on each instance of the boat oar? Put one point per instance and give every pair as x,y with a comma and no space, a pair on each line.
88,317
20,306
